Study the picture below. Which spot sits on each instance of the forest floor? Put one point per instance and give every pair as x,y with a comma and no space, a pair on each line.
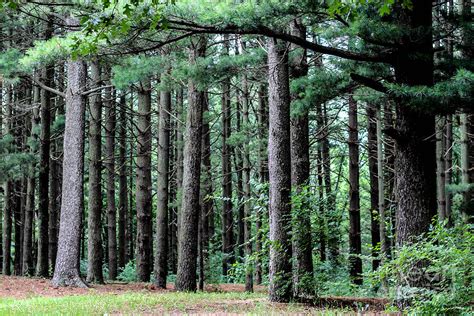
27,296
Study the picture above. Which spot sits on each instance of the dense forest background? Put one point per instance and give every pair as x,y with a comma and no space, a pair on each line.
318,147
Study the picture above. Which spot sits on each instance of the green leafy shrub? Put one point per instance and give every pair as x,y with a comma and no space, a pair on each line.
128,273
443,263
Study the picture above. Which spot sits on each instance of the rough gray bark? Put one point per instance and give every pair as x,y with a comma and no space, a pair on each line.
179,159
449,167
279,167
109,162
123,194
161,258
372,152
300,167
143,184
66,272
227,217
94,223
188,234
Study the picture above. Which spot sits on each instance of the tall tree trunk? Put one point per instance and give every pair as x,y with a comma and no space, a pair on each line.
110,115
8,192
384,242
188,239
239,184
28,267
441,167
415,163
123,194
299,127
227,216
42,266
333,220
161,263
66,272
143,185
263,175
372,142
246,187
279,167
449,167
467,168
94,245
207,212
355,243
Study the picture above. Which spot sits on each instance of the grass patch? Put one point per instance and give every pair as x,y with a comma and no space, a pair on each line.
145,302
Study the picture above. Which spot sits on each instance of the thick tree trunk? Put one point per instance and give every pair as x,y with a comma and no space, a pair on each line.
109,161
415,162
188,233
279,167
227,216
143,185
66,272
94,240
161,261
355,243
300,167
372,142
123,194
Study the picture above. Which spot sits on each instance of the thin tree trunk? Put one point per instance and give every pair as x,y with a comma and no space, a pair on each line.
440,168
355,243
8,190
449,167
123,194
161,263
143,185
188,234
279,166
42,267
263,175
467,169
227,216
239,185
372,142
110,115
28,267
94,245
66,272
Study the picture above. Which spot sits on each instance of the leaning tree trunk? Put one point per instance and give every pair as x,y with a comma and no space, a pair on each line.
109,161
66,272
161,258
279,167
355,244
188,233
372,142
143,183
299,131
94,245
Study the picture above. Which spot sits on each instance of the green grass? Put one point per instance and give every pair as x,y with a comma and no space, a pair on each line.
145,302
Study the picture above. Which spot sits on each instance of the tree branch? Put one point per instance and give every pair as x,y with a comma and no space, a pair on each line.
45,87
